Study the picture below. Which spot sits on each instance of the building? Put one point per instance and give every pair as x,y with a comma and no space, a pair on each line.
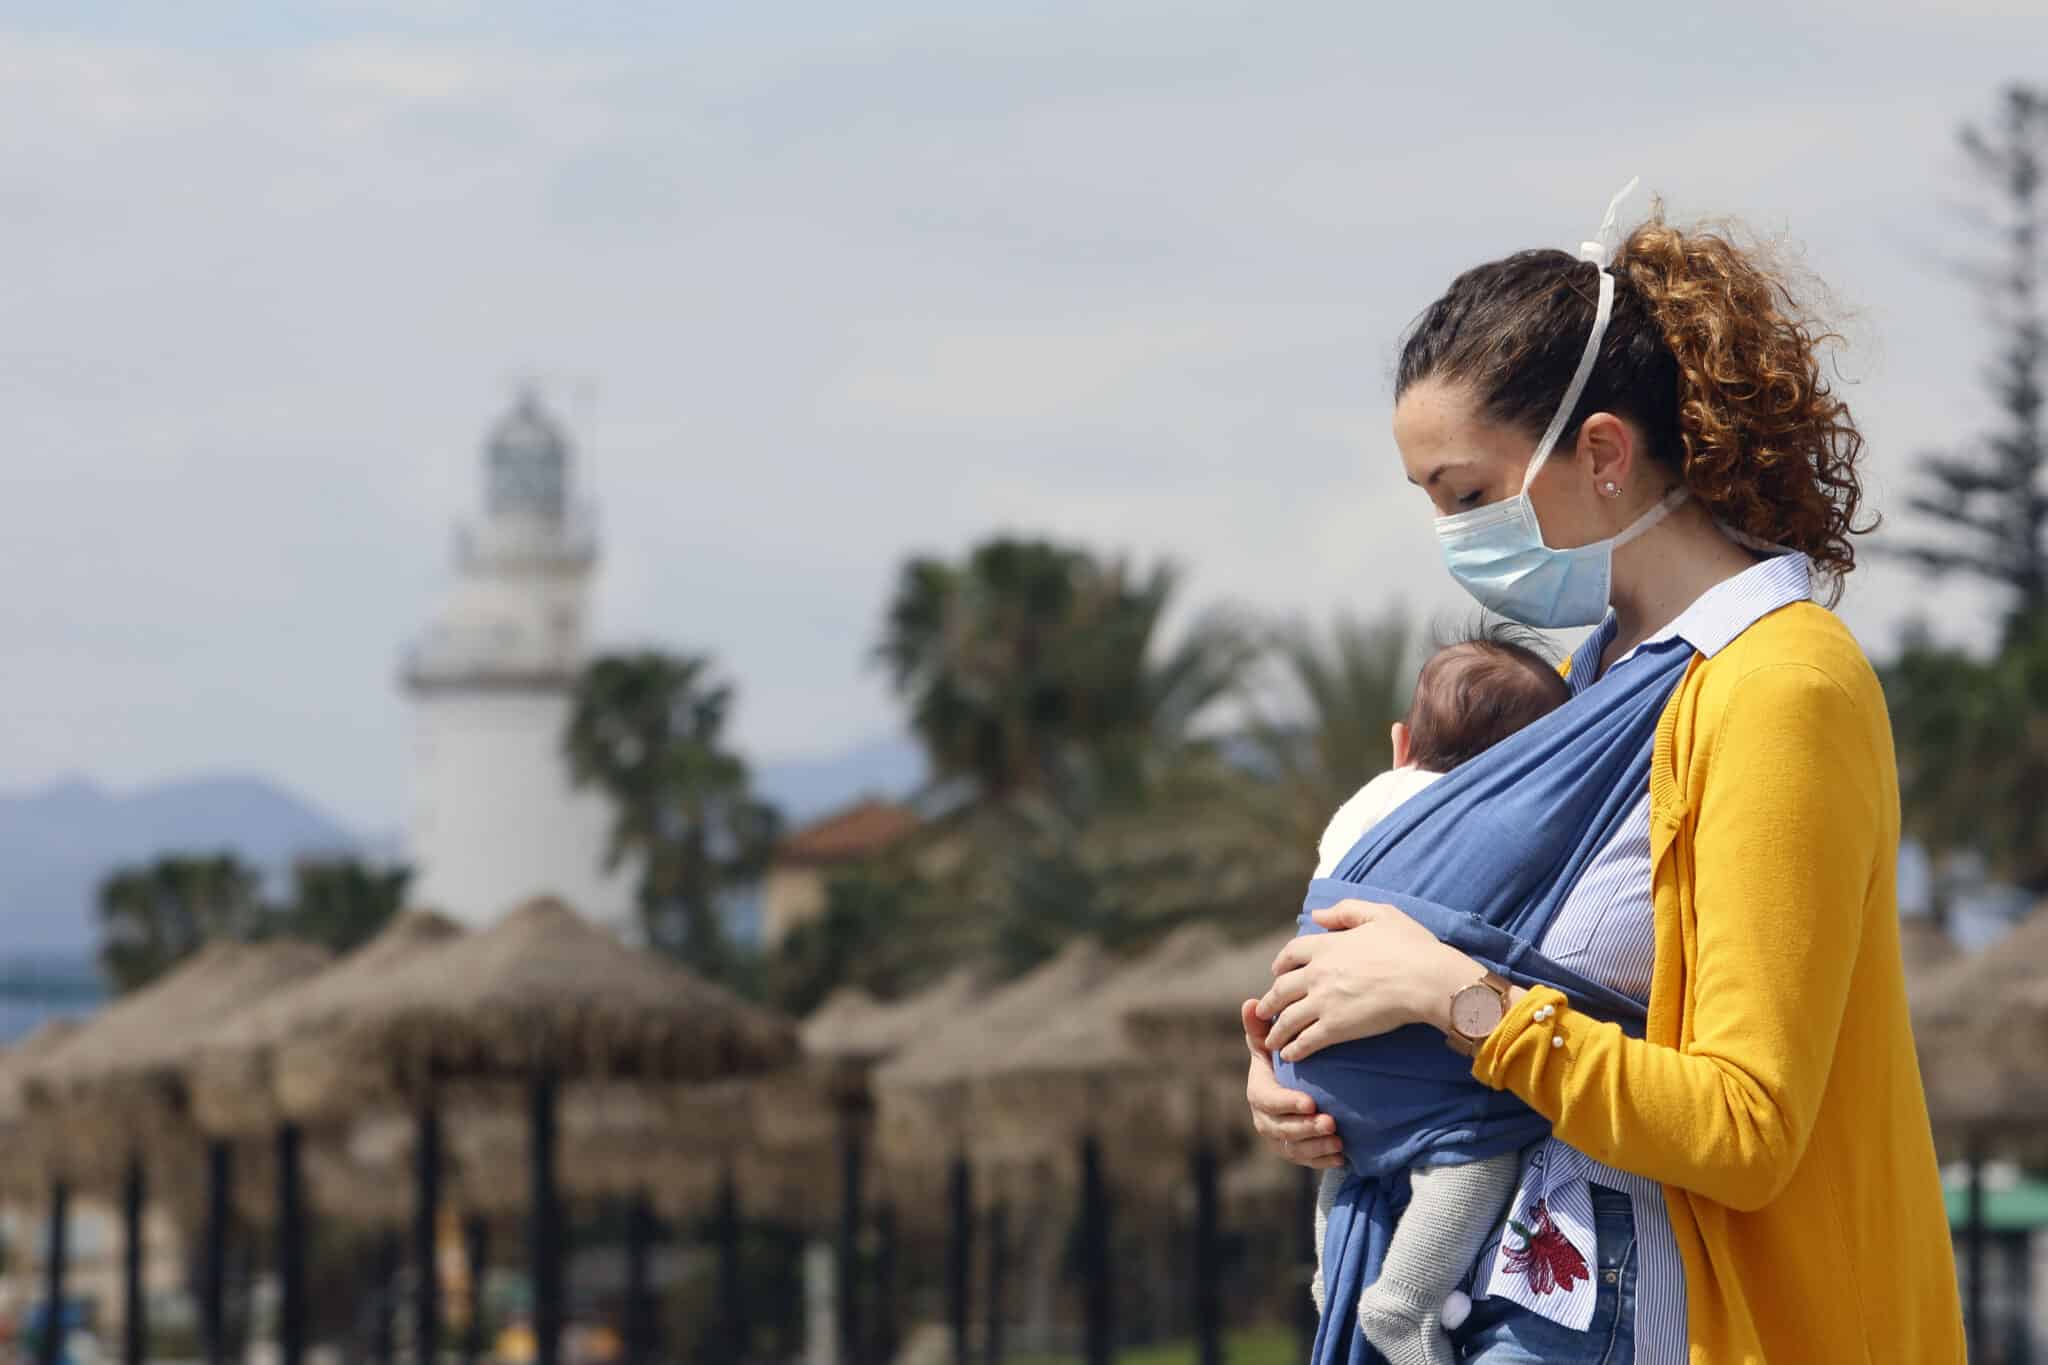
806,859
494,819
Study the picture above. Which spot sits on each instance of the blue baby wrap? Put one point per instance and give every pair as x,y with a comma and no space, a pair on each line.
1503,838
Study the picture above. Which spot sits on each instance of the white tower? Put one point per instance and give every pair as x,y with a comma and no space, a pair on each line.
495,820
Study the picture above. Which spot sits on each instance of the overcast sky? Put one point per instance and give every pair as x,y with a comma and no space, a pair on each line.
846,282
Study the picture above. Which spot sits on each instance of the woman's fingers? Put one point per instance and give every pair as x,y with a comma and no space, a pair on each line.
1284,992
1314,1149
1286,1025
1284,1129
1269,1098
1309,1042
1345,914
1298,953
1254,1028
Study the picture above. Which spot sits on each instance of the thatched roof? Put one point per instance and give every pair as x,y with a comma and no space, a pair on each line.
965,1046
673,1143
115,1087
854,1026
23,1174
1085,1070
142,1042
1981,1024
1089,1037
16,1062
232,1075
1199,1010
543,989
1924,948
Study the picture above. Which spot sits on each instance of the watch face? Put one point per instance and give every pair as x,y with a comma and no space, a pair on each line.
1475,1011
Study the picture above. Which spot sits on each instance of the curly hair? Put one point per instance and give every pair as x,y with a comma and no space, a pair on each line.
1707,350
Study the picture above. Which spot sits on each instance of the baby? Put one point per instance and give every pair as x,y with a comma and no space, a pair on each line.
1469,696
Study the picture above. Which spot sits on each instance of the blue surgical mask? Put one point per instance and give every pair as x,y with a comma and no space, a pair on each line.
1497,552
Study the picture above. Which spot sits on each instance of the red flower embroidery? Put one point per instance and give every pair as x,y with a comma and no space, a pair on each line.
1545,1258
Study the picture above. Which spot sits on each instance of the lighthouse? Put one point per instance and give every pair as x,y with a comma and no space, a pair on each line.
494,818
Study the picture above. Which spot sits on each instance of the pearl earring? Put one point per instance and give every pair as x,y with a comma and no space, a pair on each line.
1611,489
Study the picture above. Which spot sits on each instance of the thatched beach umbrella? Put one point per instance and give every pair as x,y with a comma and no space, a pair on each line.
541,998
1980,1023
235,1091
1083,1072
117,1086
25,1175
922,1089
852,1026
846,1038
1925,947
1194,1017
1083,1061
28,1175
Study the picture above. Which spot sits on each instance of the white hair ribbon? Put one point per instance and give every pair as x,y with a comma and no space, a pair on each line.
1600,251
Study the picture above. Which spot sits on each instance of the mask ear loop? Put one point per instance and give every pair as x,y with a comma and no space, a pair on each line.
1600,252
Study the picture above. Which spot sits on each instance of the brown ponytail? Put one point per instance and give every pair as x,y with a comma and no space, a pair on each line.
1707,350
1767,446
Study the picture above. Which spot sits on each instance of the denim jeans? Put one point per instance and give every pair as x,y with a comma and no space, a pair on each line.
1501,1332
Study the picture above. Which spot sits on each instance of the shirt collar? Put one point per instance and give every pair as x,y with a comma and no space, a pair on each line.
1717,616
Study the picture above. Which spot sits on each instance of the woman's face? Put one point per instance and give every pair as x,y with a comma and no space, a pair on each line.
1463,460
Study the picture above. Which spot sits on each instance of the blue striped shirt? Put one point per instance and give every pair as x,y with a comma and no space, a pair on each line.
1606,930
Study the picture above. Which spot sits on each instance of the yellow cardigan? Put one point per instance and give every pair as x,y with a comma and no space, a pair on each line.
1776,1093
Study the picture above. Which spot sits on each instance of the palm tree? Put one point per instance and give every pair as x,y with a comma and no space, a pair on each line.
1973,749
154,915
646,729
1033,665
1342,694
1244,819
342,902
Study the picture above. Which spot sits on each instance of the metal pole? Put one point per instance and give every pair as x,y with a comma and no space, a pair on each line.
50,1346
850,1115
2019,1283
384,1321
134,1309
426,1326
998,1271
477,1245
546,1250
732,1308
1978,1339
1096,1287
213,1318
291,1250
960,1268
639,1306
1208,1261
885,1282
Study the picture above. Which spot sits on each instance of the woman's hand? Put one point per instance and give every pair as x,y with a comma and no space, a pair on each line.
1382,971
1286,1119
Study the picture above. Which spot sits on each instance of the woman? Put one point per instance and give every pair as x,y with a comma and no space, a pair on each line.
1754,1179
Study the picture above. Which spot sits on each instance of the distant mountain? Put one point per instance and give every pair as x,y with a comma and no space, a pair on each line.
56,844
804,789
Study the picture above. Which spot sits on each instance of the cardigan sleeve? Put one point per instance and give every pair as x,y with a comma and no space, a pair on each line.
1789,827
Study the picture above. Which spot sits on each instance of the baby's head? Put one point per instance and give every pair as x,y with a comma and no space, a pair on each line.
1473,694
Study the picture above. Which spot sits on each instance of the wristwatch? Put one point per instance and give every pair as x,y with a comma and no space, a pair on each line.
1476,1010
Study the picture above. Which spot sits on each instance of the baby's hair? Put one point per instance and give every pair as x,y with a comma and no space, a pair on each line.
1478,688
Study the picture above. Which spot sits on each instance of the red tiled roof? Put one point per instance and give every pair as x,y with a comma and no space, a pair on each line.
860,831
